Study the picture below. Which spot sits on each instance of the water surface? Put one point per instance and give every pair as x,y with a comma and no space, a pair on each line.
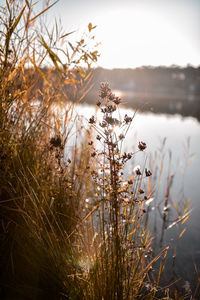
172,141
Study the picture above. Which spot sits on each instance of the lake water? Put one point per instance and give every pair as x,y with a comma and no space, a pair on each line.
173,148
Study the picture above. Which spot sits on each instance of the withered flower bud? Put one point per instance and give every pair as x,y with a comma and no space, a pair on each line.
93,154
148,173
98,103
111,96
142,146
104,90
138,172
141,191
98,137
103,124
111,108
126,156
127,119
104,110
117,100
112,121
56,141
92,120
121,136
129,156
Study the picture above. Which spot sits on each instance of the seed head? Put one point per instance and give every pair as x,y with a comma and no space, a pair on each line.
111,96
92,120
56,142
103,124
142,146
138,172
98,137
98,103
104,90
127,119
117,100
148,172
93,154
121,136
112,121
141,191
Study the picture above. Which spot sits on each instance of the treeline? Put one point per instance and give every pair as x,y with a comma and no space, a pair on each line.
145,82
166,80
169,90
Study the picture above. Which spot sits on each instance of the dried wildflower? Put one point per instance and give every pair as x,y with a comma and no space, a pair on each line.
92,120
111,108
103,124
130,181
98,103
104,110
56,142
111,96
141,191
126,156
98,137
69,161
107,132
129,156
127,119
111,144
90,143
117,100
142,146
108,109
121,136
93,154
112,121
148,172
138,172
104,90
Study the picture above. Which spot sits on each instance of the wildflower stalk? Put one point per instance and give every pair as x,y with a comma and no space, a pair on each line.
118,202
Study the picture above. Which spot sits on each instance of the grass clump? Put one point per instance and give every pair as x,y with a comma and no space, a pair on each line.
119,263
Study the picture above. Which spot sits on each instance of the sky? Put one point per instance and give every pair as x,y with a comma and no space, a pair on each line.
135,33
138,32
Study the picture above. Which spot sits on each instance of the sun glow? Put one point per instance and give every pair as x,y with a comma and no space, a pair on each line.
118,93
134,38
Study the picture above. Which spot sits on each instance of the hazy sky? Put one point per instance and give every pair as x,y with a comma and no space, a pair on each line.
137,32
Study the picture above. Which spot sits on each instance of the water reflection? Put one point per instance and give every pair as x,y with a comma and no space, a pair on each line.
173,155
